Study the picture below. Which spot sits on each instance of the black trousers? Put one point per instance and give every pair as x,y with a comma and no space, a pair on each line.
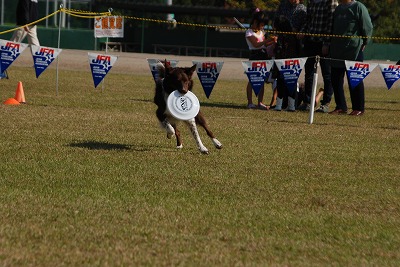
312,49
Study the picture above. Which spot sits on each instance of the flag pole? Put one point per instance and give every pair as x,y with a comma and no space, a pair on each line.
58,46
314,90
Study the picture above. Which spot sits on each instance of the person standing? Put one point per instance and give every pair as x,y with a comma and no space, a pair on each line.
257,43
318,26
351,18
27,12
289,19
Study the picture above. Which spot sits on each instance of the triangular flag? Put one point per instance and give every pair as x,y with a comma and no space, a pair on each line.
357,71
208,72
257,72
391,73
153,66
43,57
9,51
290,70
100,66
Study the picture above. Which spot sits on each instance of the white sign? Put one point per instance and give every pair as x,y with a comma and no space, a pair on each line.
112,26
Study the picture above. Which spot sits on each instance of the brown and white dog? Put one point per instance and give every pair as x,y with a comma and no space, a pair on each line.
171,79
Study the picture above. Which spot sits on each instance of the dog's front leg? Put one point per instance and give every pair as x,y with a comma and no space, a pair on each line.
193,129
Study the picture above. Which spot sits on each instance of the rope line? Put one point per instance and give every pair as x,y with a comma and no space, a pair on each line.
89,14
29,24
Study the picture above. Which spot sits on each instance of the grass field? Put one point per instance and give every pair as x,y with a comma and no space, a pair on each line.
88,178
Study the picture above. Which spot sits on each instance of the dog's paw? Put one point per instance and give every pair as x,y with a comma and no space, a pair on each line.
203,150
169,135
217,143
179,147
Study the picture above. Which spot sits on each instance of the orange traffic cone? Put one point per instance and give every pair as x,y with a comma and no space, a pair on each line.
19,94
11,101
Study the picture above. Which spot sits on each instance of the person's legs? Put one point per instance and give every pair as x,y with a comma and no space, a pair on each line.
18,35
326,75
357,93
249,94
337,84
281,88
274,94
261,98
32,36
358,97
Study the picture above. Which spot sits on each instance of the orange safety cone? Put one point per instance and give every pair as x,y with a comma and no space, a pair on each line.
11,101
19,94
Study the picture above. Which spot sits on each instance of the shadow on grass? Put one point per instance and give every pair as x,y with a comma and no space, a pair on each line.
95,145
222,105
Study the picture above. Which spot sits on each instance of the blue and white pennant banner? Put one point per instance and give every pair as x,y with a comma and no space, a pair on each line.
43,57
208,73
9,52
391,73
100,66
290,70
357,71
257,72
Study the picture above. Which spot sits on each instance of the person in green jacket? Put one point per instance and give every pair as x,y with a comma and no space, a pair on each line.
351,18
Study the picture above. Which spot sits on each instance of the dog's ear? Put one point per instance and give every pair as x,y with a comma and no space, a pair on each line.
168,67
166,63
190,71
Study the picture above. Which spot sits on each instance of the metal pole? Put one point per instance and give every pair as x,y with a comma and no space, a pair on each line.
47,12
64,3
59,38
55,16
2,12
314,90
69,17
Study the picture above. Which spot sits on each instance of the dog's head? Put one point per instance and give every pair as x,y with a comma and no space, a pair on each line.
178,79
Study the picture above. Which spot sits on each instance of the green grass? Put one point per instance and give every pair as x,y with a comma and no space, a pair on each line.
89,178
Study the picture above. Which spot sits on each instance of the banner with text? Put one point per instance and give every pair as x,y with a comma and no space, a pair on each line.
43,57
391,73
290,70
208,73
9,51
100,66
357,71
112,26
257,72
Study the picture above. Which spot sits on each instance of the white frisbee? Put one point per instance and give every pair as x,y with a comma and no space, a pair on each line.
183,107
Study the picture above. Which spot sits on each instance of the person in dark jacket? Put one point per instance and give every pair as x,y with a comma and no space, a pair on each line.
27,12
351,18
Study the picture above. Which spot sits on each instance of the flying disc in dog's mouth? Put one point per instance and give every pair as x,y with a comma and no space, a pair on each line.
183,107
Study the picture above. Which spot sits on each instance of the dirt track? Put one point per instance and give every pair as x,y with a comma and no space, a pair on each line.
137,63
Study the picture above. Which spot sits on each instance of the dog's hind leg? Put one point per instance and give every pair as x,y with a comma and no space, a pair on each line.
193,129
200,120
